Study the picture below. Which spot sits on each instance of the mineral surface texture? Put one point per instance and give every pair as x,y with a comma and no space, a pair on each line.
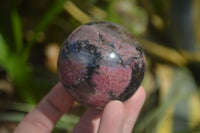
100,62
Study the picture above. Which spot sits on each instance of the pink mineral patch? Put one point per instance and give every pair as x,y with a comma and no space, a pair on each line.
71,72
109,79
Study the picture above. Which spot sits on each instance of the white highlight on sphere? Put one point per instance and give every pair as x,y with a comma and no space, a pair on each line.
112,55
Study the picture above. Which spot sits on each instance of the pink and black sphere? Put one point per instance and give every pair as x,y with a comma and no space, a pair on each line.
100,62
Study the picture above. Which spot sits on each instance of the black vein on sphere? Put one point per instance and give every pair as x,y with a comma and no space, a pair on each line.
137,76
92,53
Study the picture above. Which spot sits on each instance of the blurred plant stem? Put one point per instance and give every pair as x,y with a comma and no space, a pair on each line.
181,25
56,8
170,55
72,9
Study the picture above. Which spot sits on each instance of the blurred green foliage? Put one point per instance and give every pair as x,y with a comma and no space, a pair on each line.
167,30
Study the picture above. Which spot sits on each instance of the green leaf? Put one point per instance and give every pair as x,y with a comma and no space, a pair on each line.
21,76
50,15
67,121
4,50
11,117
17,30
22,107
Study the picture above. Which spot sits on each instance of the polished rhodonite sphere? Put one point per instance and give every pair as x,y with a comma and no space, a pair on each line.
100,62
